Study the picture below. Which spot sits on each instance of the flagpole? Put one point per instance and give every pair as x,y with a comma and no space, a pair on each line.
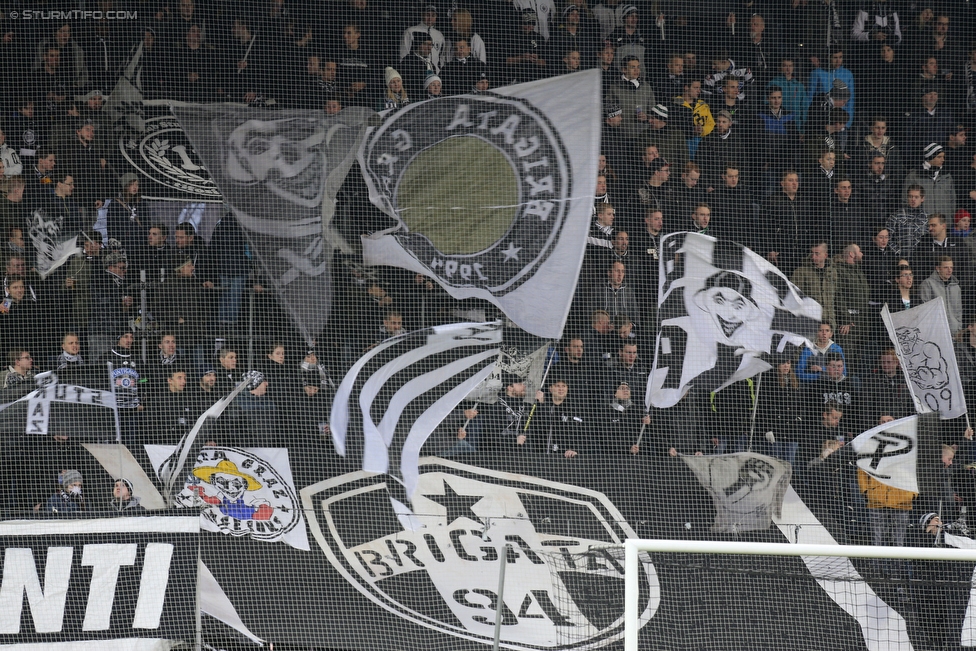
248,53
115,409
541,385
465,426
755,408
640,437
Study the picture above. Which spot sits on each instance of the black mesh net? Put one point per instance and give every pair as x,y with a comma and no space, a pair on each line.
317,314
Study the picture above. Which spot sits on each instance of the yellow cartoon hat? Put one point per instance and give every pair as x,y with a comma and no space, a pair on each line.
228,468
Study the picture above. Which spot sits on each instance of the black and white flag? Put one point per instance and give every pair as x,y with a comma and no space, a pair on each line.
720,307
747,489
403,388
924,346
279,172
53,244
64,406
492,194
889,453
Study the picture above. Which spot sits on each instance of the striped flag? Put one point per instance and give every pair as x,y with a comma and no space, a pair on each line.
402,389
720,307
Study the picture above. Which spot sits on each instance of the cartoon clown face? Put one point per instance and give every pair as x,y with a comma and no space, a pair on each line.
726,297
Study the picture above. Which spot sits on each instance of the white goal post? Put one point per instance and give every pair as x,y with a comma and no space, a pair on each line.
633,547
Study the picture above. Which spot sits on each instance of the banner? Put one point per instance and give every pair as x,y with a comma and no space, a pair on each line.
928,360
492,194
168,166
746,488
889,453
106,581
726,306
241,492
63,408
370,581
279,172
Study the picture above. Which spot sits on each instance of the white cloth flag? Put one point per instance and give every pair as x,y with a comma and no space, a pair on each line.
924,346
492,194
721,306
889,453
747,489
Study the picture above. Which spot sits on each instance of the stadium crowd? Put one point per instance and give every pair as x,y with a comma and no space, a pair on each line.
830,137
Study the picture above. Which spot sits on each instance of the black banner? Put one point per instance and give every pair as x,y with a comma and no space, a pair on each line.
376,579
98,579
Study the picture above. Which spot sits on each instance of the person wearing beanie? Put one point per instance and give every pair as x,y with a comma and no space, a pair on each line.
930,120
962,223
671,142
557,427
68,498
527,56
625,417
111,302
433,86
205,393
834,84
939,590
86,156
396,95
939,187
123,500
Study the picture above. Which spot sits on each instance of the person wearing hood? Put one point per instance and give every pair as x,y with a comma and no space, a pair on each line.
68,498
123,500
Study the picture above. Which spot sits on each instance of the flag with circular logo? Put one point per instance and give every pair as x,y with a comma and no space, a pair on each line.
492,193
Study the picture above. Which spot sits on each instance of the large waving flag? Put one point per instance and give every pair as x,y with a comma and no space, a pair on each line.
279,172
720,307
924,346
402,389
492,194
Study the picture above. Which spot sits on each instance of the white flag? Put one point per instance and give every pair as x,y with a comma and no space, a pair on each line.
492,194
924,346
747,489
889,453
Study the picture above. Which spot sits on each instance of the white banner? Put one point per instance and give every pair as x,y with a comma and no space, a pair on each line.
924,346
245,492
492,193
889,453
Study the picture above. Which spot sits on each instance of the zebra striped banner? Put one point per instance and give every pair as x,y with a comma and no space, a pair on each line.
404,388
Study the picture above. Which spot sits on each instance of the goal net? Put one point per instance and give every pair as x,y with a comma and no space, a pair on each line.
759,595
